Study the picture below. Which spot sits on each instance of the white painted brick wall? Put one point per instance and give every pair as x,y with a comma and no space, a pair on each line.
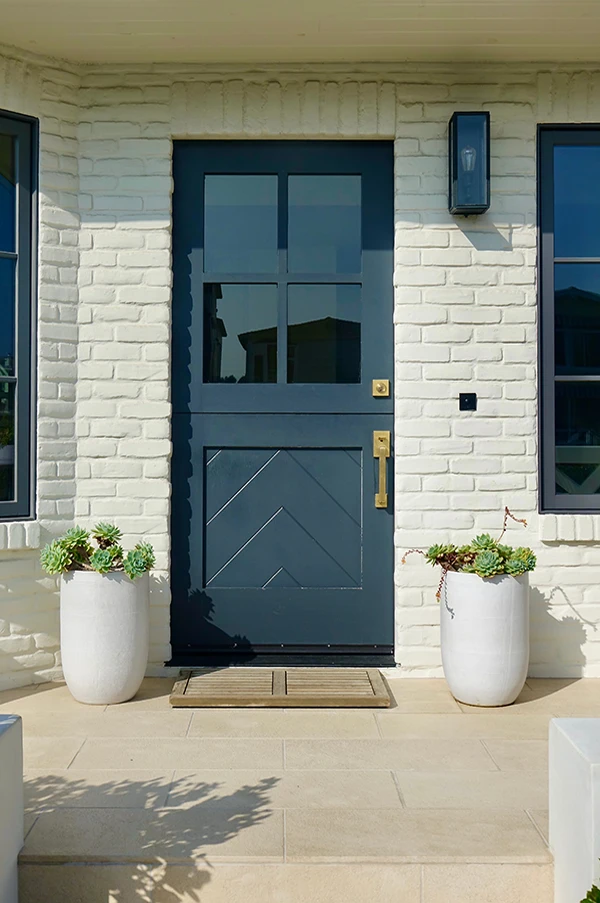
465,315
29,648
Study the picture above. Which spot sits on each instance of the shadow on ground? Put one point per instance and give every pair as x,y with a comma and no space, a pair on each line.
158,855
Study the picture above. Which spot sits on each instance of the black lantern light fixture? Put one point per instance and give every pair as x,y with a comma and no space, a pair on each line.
469,163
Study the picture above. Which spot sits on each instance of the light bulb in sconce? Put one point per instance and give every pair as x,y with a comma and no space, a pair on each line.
468,158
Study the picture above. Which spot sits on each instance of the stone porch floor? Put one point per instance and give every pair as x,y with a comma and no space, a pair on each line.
427,802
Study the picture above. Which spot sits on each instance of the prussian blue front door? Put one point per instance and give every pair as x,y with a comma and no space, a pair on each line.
282,535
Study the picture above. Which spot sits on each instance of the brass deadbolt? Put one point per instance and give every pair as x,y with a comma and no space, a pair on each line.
381,388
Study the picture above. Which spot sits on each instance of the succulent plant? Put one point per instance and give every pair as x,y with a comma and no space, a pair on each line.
484,541
484,556
106,535
74,537
488,563
592,896
55,559
147,553
74,552
436,552
515,567
527,556
135,564
101,560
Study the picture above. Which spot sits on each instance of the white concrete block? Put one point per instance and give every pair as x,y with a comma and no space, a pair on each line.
575,806
11,804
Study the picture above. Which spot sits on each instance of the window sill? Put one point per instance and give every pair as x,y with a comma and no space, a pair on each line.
19,535
569,527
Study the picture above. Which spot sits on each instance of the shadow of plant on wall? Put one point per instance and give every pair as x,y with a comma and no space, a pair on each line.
557,638
156,833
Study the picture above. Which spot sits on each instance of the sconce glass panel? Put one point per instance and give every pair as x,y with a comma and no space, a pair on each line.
469,163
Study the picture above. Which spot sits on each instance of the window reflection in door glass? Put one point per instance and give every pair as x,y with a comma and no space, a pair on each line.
324,333
324,226
576,201
240,333
7,193
240,224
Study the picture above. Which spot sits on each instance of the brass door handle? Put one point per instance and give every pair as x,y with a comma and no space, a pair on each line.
381,450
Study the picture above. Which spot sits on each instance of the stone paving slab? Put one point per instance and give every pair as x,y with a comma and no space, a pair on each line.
387,835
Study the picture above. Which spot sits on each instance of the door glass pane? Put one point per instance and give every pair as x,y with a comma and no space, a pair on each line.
7,193
577,201
578,438
324,227
577,317
240,333
7,441
240,224
324,333
7,317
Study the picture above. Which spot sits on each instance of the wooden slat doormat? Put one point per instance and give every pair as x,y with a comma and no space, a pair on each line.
281,688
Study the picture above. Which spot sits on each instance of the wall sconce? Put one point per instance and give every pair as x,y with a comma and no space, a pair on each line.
469,163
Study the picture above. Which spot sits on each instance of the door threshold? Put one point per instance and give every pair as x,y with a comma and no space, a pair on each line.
263,659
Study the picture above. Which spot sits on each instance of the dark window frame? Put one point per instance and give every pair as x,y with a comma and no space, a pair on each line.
549,137
25,130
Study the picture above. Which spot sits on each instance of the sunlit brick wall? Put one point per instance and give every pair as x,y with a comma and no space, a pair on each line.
465,316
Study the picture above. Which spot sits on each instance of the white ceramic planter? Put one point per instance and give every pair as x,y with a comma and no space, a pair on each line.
485,637
104,635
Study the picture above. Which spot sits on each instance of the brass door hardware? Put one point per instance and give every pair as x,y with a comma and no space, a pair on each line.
381,388
381,450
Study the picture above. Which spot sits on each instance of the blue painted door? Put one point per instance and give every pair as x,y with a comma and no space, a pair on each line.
282,320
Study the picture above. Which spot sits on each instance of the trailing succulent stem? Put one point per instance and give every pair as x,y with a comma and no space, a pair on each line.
484,556
74,552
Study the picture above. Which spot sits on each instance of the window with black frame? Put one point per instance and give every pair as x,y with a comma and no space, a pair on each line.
569,182
17,143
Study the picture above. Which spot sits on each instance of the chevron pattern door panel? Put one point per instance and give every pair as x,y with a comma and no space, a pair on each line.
283,518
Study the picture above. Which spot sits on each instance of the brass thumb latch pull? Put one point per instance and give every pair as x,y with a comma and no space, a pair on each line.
381,450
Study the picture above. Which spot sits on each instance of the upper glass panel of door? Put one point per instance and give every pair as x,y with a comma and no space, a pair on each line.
244,231
324,224
276,251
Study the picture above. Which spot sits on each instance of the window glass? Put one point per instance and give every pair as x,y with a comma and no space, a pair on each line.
324,226
577,317
7,316
578,438
7,193
324,333
240,224
16,346
240,333
7,441
576,201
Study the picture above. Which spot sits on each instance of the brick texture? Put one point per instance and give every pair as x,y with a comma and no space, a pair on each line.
465,320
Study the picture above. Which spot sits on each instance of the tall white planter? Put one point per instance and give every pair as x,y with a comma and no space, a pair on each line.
104,635
485,637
